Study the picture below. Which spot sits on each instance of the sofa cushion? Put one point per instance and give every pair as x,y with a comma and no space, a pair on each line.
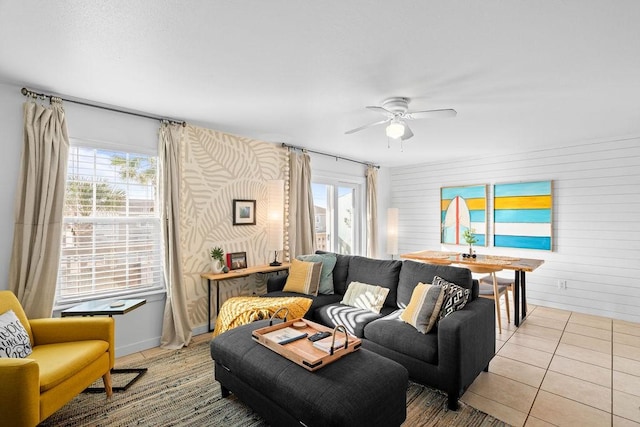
365,296
326,273
376,272
455,297
413,272
14,339
354,319
304,277
391,332
59,362
340,271
423,310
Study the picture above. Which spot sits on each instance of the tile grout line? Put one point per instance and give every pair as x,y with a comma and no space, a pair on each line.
547,370
611,372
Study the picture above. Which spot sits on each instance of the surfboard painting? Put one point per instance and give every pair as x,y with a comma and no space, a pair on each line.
463,208
522,215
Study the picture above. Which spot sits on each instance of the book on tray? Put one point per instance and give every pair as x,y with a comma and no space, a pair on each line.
325,344
285,335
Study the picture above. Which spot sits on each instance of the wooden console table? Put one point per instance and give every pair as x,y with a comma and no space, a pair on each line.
519,265
234,274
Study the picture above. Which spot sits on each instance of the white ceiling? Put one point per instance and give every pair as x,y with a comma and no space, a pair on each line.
521,74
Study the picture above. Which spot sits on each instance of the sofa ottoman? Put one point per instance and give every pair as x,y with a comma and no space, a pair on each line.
360,389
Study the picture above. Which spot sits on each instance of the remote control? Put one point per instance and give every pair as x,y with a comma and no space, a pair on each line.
318,336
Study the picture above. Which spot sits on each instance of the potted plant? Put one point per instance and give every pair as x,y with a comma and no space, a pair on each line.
470,238
217,259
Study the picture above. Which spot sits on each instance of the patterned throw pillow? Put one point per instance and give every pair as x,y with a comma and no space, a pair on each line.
304,277
424,307
326,275
455,297
14,339
364,296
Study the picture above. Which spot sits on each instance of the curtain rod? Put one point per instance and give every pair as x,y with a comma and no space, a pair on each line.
31,93
329,155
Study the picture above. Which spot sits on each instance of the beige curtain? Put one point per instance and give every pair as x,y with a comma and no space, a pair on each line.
302,231
176,329
372,211
39,207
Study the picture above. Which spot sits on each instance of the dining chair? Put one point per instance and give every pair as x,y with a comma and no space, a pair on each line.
492,290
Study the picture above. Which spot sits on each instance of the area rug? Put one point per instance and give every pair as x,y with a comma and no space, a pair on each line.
179,390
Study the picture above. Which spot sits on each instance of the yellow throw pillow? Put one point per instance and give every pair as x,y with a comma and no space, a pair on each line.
424,307
304,277
367,297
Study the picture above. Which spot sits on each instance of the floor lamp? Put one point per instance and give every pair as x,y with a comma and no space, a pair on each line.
392,231
275,218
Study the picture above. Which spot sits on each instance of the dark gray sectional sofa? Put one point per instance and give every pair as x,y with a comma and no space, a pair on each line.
449,357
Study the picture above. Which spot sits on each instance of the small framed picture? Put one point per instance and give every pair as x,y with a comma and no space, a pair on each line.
237,260
244,212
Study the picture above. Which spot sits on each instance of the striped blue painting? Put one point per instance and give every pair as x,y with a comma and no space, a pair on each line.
522,215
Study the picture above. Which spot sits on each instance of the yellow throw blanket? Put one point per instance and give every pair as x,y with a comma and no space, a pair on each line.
238,311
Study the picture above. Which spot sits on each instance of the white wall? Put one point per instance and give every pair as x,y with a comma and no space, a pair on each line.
596,209
11,142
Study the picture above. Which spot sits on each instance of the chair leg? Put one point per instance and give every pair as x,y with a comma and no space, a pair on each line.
506,303
496,299
106,379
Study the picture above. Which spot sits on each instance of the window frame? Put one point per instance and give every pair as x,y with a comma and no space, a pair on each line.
357,185
158,285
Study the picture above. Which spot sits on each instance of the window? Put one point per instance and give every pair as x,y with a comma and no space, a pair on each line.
338,216
111,232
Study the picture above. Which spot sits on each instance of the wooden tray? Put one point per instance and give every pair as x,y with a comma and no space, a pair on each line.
302,352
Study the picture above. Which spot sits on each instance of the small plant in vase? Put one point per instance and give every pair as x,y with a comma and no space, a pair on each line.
217,260
470,238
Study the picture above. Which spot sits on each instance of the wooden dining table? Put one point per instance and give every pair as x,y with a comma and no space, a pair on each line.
519,265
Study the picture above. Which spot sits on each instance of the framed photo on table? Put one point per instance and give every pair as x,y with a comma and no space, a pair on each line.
244,212
237,260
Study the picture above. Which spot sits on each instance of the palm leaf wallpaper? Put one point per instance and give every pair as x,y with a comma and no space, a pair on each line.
217,168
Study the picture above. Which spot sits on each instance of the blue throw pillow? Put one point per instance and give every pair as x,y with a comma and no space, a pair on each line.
326,274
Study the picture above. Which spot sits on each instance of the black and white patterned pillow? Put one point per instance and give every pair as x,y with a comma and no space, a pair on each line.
14,339
455,297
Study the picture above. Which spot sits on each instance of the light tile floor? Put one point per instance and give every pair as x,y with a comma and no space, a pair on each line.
558,368
562,368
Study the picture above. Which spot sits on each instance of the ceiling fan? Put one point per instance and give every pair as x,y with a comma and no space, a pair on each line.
396,111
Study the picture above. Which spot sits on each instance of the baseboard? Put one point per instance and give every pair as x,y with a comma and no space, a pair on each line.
138,346
199,330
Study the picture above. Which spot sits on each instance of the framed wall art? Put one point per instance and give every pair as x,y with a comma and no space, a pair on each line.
461,209
244,212
237,260
522,215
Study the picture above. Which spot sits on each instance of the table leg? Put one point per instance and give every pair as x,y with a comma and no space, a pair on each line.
523,284
520,297
516,299
209,305
209,302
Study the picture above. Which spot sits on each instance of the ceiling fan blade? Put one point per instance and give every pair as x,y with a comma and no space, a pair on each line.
367,126
407,133
381,110
431,114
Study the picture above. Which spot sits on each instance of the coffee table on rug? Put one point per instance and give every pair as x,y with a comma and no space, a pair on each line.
360,389
109,308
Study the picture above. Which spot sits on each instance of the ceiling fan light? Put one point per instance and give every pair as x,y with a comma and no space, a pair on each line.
395,129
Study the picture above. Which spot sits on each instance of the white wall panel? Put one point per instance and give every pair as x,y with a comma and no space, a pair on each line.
596,212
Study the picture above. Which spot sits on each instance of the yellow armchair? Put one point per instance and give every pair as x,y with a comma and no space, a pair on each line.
68,355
